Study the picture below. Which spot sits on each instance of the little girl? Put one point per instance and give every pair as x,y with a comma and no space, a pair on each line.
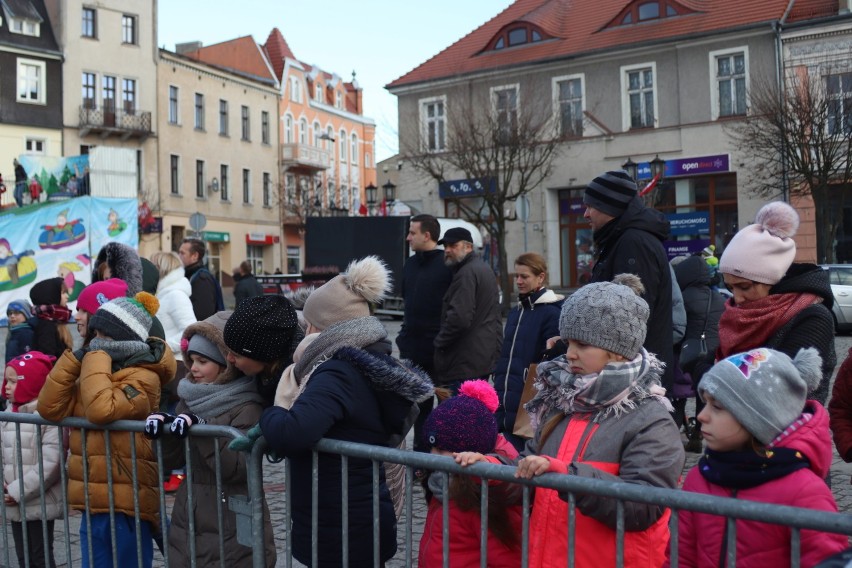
466,423
600,413
50,301
213,392
119,376
760,446
23,379
91,298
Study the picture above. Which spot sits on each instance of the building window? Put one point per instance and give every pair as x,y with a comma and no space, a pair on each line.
653,10
24,27
639,103
295,90
31,87
731,83
505,106
108,91
174,172
246,186
267,190
90,23
318,96
199,178
339,99
294,259
317,131
342,143
128,95
353,151
303,131
344,197
368,160
35,146
288,129
173,104
223,183
89,90
254,254
433,119
244,122
569,106
329,141
839,94
128,29
264,127
223,117
199,111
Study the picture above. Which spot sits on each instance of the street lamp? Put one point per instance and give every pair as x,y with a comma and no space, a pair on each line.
371,190
631,167
390,191
658,167
318,206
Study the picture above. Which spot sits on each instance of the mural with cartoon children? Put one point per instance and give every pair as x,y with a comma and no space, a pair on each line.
59,239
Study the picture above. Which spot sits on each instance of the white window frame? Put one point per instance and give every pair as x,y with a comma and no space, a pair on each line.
254,255
41,98
317,132
318,92
493,97
338,99
303,131
31,144
424,123
92,87
174,113
625,96
353,150
295,89
343,144
24,27
715,109
288,128
557,111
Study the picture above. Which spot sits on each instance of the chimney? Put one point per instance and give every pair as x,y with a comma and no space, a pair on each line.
188,47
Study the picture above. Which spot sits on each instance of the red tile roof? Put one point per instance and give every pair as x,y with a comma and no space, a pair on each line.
241,54
580,27
276,49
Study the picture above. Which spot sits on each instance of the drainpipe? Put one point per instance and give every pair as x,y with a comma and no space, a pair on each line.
779,77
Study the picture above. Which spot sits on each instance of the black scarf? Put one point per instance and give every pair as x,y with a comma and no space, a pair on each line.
747,469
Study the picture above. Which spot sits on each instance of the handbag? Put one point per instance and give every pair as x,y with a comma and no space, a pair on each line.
694,350
523,428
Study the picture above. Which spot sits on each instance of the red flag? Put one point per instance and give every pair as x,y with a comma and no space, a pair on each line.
383,208
363,210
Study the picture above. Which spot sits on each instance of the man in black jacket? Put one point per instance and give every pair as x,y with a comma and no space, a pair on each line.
629,237
245,284
469,342
425,280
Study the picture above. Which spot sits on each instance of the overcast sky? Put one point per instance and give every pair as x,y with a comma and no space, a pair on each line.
378,39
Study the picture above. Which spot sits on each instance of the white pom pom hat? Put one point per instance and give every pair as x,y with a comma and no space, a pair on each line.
763,251
348,295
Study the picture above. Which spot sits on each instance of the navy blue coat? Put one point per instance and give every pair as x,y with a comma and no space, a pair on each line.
528,327
356,396
19,341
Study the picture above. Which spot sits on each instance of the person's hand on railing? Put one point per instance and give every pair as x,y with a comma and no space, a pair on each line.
246,443
155,424
183,422
532,466
465,459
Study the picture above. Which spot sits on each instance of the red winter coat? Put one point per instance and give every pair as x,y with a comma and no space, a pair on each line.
761,544
465,532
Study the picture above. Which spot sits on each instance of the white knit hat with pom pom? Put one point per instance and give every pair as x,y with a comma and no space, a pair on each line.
348,295
763,251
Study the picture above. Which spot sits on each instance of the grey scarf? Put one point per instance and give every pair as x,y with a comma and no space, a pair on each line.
359,333
119,351
215,399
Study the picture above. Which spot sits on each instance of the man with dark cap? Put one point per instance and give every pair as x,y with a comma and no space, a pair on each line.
469,341
629,237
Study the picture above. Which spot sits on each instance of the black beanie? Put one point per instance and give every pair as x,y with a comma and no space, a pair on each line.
47,292
262,328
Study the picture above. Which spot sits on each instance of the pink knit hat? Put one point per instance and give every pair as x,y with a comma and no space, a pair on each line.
763,251
97,294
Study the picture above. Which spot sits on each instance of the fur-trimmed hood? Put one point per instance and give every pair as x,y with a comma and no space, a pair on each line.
124,263
213,333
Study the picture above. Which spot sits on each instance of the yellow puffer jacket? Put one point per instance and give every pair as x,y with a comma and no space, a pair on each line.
102,395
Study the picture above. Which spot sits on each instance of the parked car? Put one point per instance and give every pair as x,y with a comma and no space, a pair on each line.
840,276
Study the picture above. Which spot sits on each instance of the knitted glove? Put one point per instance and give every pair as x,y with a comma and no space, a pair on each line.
182,422
246,443
155,424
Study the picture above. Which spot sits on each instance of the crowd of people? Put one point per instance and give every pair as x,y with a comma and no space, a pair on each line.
593,385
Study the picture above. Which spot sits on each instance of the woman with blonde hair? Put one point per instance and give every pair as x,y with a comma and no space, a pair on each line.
173,292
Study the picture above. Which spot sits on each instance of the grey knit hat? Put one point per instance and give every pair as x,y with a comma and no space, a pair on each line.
206,348
610,192
609,315
764,389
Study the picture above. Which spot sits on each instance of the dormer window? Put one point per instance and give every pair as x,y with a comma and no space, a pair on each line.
647,10
516,34
24,27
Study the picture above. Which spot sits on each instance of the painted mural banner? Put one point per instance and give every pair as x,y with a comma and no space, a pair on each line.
60,239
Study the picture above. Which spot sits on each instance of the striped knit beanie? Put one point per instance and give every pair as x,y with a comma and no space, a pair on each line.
126,319
610,192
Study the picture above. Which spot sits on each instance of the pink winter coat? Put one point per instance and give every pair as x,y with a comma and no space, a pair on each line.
762,544
465,531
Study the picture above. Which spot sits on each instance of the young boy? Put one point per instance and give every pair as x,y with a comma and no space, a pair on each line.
20,338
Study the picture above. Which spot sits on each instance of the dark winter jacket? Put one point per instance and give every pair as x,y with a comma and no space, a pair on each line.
469,341
693,278
19,340
204,292
813,326
840,409
425,280
528,327
246,286
633,243
46,337
359,395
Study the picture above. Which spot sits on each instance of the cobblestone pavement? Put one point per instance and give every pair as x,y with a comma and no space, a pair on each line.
274,486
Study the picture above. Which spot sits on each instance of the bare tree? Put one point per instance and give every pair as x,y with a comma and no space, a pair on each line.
506,150
298,202
798,144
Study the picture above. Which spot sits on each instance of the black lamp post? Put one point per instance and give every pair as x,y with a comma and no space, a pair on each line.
318,206
390,191
631,167
371,190
658,167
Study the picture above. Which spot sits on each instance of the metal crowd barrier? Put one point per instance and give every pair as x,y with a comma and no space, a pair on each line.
248,509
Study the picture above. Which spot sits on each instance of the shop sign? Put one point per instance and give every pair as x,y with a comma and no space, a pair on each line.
695,223
690,166
457,188
216,237
685,248
259,239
